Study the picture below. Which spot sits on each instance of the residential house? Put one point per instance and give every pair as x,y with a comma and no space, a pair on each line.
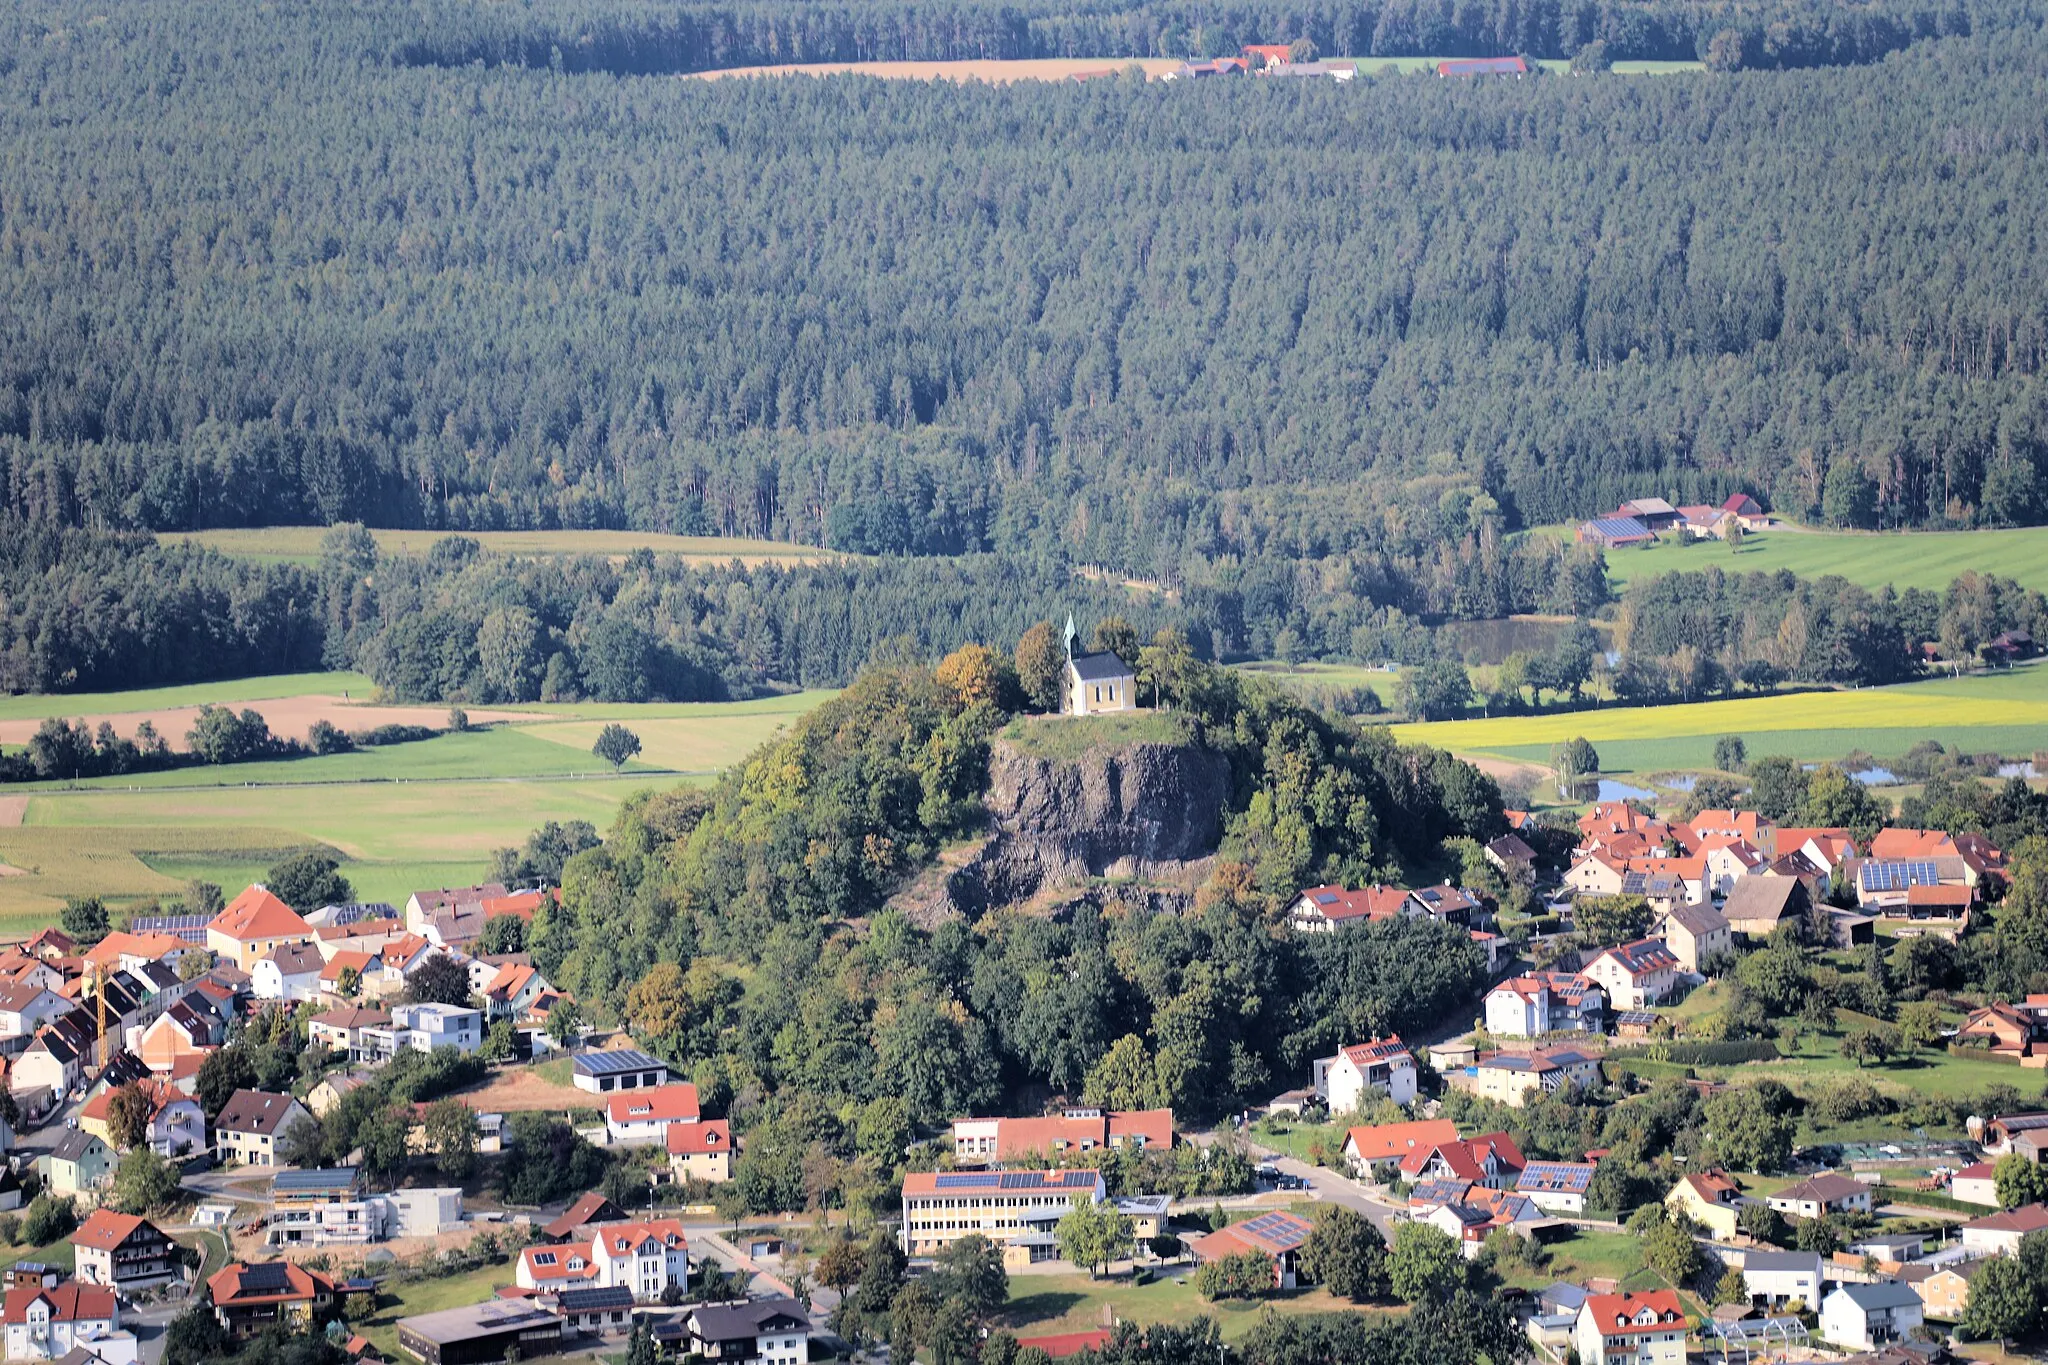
1756,906
254,925
1382,1064
1491,1160
1477,1213
1515,859
252,1298
1446,904
1279,1237
1945,1291
177,1125
587,1211
1893,1247
1773,1279
1976,1183
289,972
57,1058
647,1257
1697,936
78,1164
422,906
325,1207
1015,1209
1325,909
248,1128
1556,1186
700,1151
1825,1193
1520,1078
1597,874
1710,1199
512,989
395,964
26,1006
50,1322
1943,910
1376,1151
751,1332
460,925
124,1252
1150,1214
423,1028
1631,1329
50,944
341,1030
1099,683
347,973
1747,511
1051,1138
1545,1002
1634,975
1727,863
1883,885
188,1029
332,1089
644,1116
347,914
592,1312
601,1073
1862,1316
1999,1234
2015,1031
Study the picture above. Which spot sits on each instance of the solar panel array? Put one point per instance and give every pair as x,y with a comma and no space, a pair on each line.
1563,1177
265,1277
613,1063
591,1300
1014,1180
1897,876
1280,1229
191,928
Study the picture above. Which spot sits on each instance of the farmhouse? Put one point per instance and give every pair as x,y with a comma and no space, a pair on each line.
1483,66
1975,1184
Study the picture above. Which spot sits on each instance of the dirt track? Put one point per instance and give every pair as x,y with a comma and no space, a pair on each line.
287,717
996,72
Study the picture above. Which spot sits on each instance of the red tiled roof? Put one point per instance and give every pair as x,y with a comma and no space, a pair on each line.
1616,1314
696,1139
1341,903
664,1104
256,914
69,1302
2024,1219
300,1282
1946,896
1380,1141
1911,843
105,1229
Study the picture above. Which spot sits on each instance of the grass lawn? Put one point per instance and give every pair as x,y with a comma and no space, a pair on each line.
233,690
1295,1138
1064,739
1043,1304
1818,1059
428,1296
2005,712
301,544
1903,559
59,1254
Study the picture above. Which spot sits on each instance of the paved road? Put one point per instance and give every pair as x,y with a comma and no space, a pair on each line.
1332,1187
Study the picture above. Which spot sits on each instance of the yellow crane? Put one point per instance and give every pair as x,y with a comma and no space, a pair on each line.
99,995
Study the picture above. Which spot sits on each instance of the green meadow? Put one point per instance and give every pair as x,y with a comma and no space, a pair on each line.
1903,559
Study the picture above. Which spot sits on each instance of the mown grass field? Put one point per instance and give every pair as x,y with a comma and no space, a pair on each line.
232,692
1904,559
1044,1304
2005,713
301,544
399,817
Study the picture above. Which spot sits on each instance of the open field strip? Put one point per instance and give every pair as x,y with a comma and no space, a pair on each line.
233,691
2007,713
1903,559
301,544
996,72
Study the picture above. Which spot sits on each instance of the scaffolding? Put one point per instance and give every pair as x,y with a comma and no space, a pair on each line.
1755,1337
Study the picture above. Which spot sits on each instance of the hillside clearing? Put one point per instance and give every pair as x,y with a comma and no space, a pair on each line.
1873,559
301,544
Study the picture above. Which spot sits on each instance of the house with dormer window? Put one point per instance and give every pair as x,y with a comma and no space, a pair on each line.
1631,1329
1382,1064
645,1257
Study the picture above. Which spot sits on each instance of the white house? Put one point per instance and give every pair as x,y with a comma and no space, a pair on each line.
1631,1329
1544,1002
1975,1184
1999,1234
1096,683
25,1007
422,1028
290,972
645,1257
1635,975
613,1069
1556,1186
1384,1064
1773,1279
46,1323
764,1331
248,1127
1862,1317
1827,1192
644,1116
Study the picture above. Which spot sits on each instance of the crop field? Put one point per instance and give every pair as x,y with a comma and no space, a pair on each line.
1904,559
2006,713
429,813
301,544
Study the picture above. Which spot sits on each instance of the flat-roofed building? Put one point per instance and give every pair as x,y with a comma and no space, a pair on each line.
1015,1209
479,1332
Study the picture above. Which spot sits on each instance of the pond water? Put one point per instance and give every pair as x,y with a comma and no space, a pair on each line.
1611,790
1678,782
1876,777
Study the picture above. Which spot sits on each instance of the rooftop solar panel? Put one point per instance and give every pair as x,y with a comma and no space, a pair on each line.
265,1277
612,1063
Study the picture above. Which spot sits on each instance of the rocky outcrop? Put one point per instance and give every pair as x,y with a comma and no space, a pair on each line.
1149,813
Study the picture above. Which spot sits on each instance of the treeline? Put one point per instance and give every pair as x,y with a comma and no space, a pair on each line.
649,39
746,932
1167,331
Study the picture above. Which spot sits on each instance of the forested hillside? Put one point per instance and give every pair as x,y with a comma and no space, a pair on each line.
258,269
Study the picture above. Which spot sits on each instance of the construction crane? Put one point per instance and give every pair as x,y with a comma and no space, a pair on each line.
99,995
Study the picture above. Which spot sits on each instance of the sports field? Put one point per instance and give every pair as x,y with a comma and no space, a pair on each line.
1904,559
301,544
2006,713
423,814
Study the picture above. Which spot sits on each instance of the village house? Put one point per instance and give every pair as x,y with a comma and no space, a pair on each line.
1697,936
1383,1065
756,1331
646,1257
422,906
289,972
1884,885
1556,1186
1545,1002
1710,1199
1491,1160
1324,909
1773,1279
644,1116
1631,1329
1634,975
1099,683
1053,1137
1863,1316
248,1127
1279,1237
346,974
1597,874
2016,1031
254,925
1015,1209
189,1029
1999,1234
423,1028
1515,859
341,1030
1827,1192
56,1058
121,1251
1376,1151
26,1006
1756,906
1975,1183
512,990
323,1207
1945,1291
1518,1079
461,924
50,1322
250,1299
700,1151
177,1125
78,1164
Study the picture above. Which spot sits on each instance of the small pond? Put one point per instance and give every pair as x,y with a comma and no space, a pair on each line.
1611,790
